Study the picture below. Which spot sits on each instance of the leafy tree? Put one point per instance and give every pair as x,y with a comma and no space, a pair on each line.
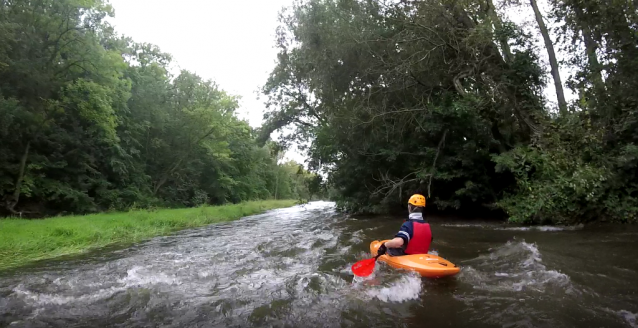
445,98
91,121
365,83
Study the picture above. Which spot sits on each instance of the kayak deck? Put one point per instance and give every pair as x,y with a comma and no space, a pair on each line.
427,265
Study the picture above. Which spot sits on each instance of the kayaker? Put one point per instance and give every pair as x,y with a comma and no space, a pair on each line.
415,235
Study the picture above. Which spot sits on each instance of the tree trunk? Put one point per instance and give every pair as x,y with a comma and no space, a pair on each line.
166,175
438,151
279,157
591,46
560,95
15,198
498,27
276,182
173,168
159,184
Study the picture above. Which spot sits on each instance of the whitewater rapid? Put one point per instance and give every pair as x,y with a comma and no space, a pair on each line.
291,267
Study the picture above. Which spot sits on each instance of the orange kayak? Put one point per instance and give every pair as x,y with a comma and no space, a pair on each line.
427,265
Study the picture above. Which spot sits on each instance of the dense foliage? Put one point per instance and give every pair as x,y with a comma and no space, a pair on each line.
91,121
446,97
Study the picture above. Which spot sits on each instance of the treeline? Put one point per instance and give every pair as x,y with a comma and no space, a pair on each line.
446,97
91,121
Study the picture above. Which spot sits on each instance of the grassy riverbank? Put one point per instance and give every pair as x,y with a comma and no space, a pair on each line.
24,241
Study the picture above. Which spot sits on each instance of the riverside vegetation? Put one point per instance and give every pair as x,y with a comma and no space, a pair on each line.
446,97
91,121
24,241
443,97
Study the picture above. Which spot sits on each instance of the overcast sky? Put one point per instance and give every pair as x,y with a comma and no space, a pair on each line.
230,42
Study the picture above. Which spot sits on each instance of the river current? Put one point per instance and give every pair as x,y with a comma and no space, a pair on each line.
291,268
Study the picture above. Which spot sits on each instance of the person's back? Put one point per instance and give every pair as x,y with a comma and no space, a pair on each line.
415,235
421,236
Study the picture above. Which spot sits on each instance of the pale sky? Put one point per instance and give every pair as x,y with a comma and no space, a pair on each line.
523,16
230,42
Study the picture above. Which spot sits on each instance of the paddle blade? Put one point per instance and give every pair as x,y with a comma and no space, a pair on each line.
363,268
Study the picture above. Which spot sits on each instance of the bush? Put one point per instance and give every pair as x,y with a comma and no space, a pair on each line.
569,177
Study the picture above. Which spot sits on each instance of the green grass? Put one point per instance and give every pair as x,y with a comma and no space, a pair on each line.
24,241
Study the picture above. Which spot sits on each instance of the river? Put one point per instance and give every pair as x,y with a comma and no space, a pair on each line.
291,268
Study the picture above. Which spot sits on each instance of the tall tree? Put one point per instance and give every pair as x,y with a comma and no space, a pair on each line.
553,62
429,95
379,87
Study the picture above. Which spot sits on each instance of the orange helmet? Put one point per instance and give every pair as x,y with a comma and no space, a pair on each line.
417,200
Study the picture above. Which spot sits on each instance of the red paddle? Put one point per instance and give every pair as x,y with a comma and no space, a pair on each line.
365,267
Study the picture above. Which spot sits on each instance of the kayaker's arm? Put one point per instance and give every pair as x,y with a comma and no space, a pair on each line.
394,243
402,237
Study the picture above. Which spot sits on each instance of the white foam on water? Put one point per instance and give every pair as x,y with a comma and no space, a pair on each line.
325,236
408,287
540,281
461,225
544,228
43,298
513,267
195,271
317,205
140,276
528,228
347,269
205,274
507,284
344,250
136,277
535,255
515,229
357,237
629,317
551,228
